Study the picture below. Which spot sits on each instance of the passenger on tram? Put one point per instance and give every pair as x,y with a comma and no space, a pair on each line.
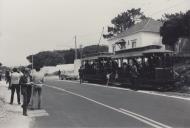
93,66
125,66
137,66
115,66
133,75
81,73
150,68
87,66
101,66
140,69
168,61
108,67
156,61
144,69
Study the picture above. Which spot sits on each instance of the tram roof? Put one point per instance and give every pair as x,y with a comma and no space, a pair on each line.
138,52
152,51
97,56
128,54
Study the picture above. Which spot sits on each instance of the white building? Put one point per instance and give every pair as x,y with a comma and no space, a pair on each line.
144,33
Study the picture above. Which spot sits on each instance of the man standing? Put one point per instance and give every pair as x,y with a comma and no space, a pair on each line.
15,78
25,83
59,73
81,73
38,80
8,77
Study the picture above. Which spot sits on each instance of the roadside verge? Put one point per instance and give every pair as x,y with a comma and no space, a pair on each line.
11,115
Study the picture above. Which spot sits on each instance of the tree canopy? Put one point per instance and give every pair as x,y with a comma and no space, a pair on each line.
124,21
94,49
53,58
175,26
46,58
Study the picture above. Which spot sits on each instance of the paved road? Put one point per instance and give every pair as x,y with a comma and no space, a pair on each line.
73,105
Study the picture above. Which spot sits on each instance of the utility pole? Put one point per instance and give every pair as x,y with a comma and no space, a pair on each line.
81,51
75,47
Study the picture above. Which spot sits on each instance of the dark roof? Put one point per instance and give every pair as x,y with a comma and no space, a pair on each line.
128,54
151,51
97,55
136,52
138,49
146,25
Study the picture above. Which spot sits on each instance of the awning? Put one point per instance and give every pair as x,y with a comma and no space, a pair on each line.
151,51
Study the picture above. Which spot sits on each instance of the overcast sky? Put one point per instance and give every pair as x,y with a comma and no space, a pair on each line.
30,26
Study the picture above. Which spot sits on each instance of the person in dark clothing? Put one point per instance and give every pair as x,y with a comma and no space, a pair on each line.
29,92
0,75
81,73
24,82
7,77
133,75
59,73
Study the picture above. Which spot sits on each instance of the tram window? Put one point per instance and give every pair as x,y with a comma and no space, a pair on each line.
125,61
113,48
130,62
145,59
139,60
119,63
128,42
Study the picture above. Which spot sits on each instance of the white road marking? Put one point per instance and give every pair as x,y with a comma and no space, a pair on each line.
37,113
164,95
115,109
145,92
143,118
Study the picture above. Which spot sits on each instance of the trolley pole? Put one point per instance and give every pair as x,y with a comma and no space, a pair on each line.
100,40
75,47
81,51
32,61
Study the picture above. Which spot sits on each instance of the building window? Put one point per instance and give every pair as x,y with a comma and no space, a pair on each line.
134,43
113,48
121,44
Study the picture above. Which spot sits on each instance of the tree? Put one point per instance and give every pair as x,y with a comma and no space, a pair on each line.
123,21
46,58
175,26
53,58
1,64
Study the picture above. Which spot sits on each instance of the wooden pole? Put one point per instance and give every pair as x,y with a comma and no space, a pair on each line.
75,47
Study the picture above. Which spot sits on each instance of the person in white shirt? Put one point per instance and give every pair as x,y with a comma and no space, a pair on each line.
37,80
15,78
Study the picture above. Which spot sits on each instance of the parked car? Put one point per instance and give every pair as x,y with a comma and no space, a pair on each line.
68,75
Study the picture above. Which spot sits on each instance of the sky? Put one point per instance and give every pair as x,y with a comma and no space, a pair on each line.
30,26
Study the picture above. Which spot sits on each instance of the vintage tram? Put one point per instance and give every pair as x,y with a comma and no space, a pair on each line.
142,67
96,67
148,66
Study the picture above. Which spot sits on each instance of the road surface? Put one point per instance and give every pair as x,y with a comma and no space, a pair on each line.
70,104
